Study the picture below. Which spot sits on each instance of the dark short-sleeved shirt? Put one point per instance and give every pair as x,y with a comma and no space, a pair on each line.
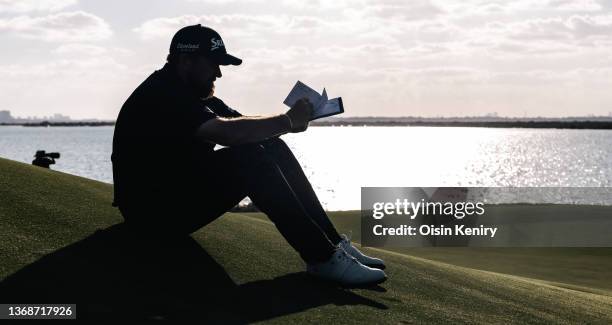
156,155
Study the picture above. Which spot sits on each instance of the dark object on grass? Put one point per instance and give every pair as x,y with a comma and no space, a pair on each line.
44,159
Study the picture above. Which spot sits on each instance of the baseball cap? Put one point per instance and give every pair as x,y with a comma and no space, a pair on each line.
202,40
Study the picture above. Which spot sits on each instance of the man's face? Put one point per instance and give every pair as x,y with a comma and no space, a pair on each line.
203,74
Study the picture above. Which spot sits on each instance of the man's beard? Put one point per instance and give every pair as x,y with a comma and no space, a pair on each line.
208,90
211,91
205,90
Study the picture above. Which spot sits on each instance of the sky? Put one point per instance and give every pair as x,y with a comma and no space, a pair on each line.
384,58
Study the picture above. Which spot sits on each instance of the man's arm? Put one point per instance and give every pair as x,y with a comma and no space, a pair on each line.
241,130
220,108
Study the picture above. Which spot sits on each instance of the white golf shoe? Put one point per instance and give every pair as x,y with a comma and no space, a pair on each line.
373,262
346,270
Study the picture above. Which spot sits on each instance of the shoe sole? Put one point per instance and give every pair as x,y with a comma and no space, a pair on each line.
376,266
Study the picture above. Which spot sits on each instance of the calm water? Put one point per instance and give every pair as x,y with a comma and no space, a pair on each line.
340,160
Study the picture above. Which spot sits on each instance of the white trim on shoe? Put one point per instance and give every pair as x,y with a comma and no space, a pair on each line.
372,262
346,270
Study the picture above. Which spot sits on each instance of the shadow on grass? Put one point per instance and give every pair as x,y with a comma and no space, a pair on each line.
113,275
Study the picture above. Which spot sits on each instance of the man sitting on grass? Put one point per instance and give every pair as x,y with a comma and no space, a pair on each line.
169,181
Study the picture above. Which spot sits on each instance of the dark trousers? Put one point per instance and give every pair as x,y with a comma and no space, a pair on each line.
270,175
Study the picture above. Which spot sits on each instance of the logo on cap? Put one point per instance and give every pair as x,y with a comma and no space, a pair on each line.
183,46
216,43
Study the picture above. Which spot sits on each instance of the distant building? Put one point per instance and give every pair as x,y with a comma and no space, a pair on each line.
57,118
5,117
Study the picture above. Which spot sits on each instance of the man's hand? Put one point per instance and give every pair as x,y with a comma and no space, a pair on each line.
300,115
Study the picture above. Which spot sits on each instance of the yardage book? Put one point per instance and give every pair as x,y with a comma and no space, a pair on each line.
322,106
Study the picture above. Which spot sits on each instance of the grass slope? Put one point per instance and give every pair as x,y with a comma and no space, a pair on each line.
237,269
586,269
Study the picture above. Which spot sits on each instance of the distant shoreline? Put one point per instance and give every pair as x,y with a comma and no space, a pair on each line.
597,125
593,125
46,124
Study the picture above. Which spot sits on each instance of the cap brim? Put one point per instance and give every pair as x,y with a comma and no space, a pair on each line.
227,59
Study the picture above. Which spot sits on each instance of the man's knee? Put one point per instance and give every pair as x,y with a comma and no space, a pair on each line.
276,143
278,149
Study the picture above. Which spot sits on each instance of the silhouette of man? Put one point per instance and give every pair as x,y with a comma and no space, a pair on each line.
169,181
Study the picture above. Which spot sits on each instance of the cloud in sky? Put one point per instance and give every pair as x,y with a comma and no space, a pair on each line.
575,5
574,28
165,27
58,27
404,10
22,6
386,57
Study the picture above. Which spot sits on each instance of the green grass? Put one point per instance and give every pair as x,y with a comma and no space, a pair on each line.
586,269
239,269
